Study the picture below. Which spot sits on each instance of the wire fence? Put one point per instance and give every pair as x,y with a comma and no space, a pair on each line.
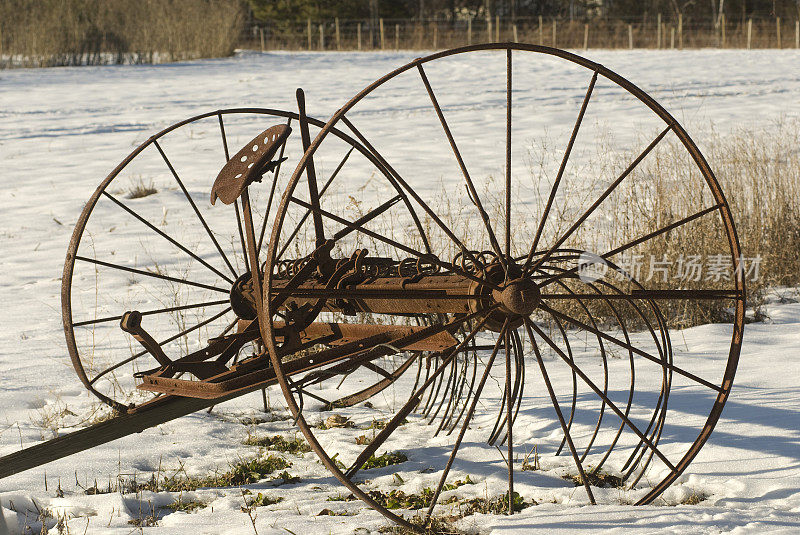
412,34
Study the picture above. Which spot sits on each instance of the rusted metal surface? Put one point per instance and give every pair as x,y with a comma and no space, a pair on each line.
249,164
318,317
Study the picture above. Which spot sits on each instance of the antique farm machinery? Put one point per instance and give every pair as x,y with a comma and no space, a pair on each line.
354,285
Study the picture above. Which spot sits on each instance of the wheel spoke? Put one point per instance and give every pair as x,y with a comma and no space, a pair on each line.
644,238
401,182
165,236
561,169
308,212
650,294
153,275
593,207
235,204
194,207
636,350
467,419
557,408
470,185
602,396
151,312
275,176
241,235
508,156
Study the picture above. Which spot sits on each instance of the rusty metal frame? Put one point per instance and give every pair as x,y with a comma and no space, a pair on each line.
496,297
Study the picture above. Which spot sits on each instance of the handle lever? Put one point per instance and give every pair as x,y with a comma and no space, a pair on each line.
131,323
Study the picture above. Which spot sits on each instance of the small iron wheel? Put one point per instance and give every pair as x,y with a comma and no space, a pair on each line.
149,240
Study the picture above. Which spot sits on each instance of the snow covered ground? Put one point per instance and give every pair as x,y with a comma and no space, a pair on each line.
63,130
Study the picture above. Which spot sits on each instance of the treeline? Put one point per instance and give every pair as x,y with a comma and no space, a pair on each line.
625,10
95,32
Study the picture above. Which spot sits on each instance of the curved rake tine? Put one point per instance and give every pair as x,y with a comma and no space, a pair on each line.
516,390
440,401
434,394
457,377
605,370
574,383
599,394
636,350
459,396
465,424
384,434
659,411
470,393
664,395
554,401
500,421
509,436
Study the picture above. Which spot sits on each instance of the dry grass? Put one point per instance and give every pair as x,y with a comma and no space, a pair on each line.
45,33
759,173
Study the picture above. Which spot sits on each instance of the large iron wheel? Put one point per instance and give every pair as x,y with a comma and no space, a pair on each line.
608,369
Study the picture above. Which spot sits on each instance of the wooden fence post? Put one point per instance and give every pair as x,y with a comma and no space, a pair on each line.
516,36
358,34
541,36
778,30
672,38
489,29
397,37
497,28
680,31
308,21
630,36
338,35
469,31
554,33
585,36
658,32
322,36
383,43
722,22
749,33
261,32
797,34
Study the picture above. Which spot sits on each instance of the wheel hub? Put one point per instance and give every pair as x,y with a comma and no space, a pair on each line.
519,297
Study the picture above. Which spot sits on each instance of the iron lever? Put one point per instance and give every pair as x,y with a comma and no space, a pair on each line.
131,323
